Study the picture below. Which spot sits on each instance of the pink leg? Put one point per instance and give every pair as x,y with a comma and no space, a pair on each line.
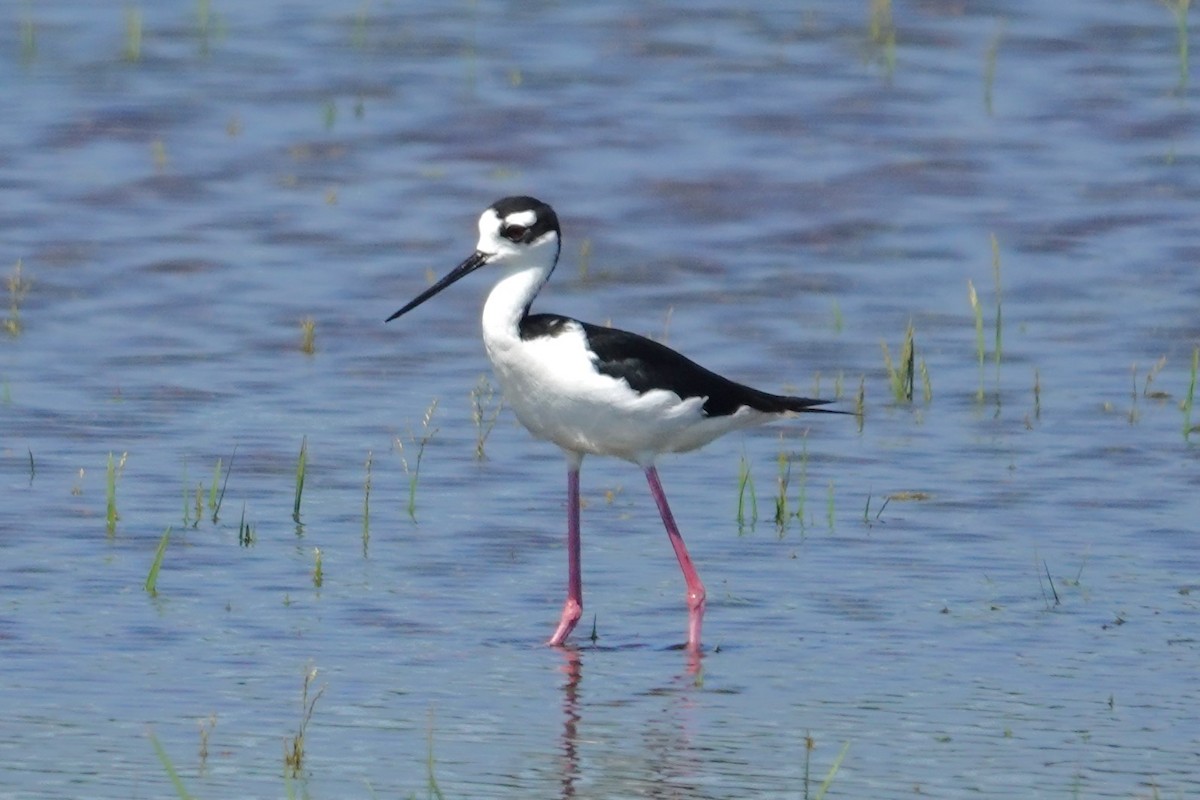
695,589
573,608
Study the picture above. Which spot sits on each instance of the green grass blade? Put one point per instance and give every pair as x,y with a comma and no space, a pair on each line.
301,468
165,760
833,770
151,585
1191,395
224,484
997,354
110,495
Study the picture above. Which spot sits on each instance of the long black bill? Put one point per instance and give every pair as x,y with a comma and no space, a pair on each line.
464,269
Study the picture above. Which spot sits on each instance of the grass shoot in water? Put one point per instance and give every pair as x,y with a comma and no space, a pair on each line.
187,498
215,497
245,530
18,287
206,729
199,504
308,336
867,519
212,489
746,486
293,749
997,354
802,495
112,473
366,530
151,585
783,479
1037,393
177,782
358,34
980,344
1153,372
1189,398
431,783
810,745
413,471
829,508
881,32
485,410
901,376
1134,414
989,67
1179,9
301,468
133,33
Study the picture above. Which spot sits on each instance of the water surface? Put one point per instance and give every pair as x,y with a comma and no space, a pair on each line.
774,192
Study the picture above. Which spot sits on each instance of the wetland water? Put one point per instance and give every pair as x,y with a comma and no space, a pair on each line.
773,192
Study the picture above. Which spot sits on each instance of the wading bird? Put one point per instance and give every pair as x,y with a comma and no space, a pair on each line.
596,390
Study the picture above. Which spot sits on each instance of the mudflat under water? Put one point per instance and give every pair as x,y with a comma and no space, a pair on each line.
990,590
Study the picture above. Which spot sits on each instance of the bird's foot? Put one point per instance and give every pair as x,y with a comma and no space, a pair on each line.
572,611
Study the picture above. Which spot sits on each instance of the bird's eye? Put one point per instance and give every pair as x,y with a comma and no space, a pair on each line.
513,233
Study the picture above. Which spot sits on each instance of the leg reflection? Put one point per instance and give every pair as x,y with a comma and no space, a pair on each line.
572,668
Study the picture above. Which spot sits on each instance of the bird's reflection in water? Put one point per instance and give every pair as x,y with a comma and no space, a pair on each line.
664,754
572,668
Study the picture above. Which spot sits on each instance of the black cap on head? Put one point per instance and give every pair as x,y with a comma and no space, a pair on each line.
544,221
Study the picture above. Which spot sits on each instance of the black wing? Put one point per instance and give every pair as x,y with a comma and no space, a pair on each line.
645,364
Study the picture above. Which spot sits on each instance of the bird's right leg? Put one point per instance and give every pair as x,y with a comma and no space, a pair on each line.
573,608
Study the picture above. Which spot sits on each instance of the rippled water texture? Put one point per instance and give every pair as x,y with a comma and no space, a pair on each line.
991,590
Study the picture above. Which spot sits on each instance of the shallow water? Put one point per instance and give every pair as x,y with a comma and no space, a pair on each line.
774,193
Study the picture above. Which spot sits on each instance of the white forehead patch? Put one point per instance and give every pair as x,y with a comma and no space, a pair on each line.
488,221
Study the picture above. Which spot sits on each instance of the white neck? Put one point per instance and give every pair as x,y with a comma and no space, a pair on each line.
506,305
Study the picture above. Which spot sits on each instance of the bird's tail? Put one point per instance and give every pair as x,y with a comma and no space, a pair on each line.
778,404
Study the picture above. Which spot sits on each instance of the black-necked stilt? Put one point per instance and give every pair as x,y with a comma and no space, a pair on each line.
591,389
